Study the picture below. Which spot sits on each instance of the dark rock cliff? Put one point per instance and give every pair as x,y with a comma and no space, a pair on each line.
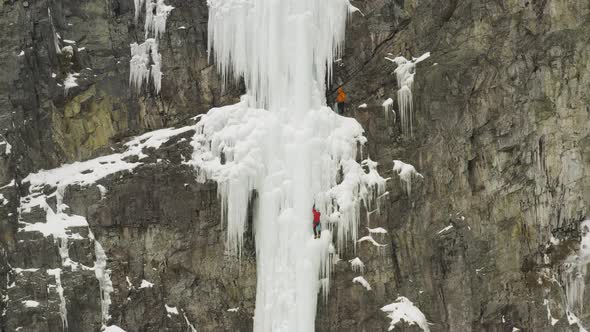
500,134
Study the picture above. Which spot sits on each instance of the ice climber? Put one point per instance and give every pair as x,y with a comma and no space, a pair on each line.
340,101
317,226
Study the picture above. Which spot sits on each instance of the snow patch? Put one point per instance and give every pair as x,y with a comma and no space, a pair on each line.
406,174
70,82
30,303
370,239
171,310
362,281
378,230
357,265
146,284
404,310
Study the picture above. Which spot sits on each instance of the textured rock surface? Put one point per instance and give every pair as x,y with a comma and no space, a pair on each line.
501,136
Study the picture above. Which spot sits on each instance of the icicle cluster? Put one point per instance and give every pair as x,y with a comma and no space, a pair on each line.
283,49
575,274
146,60
405,71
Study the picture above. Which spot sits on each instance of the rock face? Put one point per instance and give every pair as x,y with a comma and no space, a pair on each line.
485,241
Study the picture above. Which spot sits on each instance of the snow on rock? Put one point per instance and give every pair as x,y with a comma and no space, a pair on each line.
233,309
113,328
362,106
171,310
445,229
294,153
30,303
362,281
70,82
370,239
357,265
377,230
404,310
146,284
21,53
406,174
405,71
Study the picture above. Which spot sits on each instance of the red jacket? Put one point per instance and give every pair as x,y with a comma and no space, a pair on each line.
316,215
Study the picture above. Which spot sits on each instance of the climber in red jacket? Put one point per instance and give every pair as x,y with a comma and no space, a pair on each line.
317,227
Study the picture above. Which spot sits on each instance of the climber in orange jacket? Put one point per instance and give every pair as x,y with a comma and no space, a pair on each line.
341,101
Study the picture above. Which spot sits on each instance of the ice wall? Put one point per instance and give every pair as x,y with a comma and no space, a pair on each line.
282,143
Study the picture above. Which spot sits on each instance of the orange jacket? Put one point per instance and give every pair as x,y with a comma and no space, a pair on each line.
341,98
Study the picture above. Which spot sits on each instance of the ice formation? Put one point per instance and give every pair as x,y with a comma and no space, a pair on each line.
357,265
103,275
31,303
362,281
146,60
575,275
63,311
405,71
283,159
387,108
404,310
70,82
406,174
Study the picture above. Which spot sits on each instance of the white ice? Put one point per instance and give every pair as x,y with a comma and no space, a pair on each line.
405,71
406,174
388,108
404,310
357,265
146,284
171,310
146,60
281,160
30,303
362,281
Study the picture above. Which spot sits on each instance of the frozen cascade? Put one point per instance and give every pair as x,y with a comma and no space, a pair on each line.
295,152
63,311
103,275
575,275
405,71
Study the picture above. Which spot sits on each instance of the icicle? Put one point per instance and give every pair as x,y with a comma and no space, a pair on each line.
404,73
63,311
406,173
103,275
575,273
387,108
146,61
